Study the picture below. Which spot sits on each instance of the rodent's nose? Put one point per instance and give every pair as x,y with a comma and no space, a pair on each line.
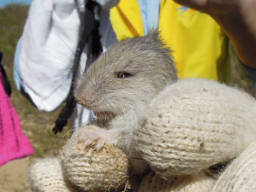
87,102
81,100
85,97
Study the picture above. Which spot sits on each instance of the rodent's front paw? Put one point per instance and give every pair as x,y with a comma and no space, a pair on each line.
99,137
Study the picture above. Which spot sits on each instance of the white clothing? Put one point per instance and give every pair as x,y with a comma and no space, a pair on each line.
47,49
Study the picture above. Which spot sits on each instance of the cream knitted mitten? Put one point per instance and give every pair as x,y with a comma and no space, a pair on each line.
80,169
194,124
193,183
190,126
45,175
89,170
240,175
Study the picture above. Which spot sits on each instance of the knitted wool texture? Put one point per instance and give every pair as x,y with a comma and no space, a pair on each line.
194,124
91,170
240,175
194,183
45,175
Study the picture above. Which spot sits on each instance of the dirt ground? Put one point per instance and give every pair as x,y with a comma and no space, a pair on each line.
13,176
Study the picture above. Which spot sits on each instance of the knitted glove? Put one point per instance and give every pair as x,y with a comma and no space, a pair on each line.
194,183
194,124
240,175
81,169
91,170
45,175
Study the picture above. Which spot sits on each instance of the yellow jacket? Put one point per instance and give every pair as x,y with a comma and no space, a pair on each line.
198,45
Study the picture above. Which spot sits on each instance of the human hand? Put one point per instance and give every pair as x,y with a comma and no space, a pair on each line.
225,10
213,7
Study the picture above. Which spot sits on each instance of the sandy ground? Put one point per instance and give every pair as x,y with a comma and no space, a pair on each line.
13,176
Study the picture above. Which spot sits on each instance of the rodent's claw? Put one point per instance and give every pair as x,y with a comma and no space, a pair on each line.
100,144
98,137
87,142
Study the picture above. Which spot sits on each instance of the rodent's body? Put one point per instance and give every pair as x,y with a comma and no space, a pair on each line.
123,80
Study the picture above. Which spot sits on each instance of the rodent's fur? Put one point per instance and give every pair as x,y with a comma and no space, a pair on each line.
148,68
147,61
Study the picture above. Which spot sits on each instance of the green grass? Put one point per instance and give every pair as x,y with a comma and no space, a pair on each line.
35,124
12,19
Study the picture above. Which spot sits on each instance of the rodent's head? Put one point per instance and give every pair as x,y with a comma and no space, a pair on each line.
128,74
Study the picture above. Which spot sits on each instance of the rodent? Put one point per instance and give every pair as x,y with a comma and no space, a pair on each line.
130,72
123,79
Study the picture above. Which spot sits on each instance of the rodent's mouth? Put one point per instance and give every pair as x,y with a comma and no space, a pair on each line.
104,115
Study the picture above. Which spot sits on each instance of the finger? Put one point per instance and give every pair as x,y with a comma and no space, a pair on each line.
194,4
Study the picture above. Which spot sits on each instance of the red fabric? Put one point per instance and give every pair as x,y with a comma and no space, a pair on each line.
13,143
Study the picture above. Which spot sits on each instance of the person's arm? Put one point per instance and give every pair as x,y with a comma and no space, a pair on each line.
237,19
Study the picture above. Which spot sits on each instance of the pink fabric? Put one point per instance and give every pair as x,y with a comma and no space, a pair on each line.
13,143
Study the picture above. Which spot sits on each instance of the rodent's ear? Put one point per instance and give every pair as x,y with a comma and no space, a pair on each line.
123,74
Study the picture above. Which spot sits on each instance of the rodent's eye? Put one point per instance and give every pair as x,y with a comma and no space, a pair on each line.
123,74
